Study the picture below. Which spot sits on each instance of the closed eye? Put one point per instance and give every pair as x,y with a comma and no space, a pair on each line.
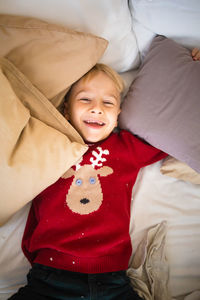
108,103
85,100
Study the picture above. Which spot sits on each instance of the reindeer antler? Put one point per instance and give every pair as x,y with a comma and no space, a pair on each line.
97,161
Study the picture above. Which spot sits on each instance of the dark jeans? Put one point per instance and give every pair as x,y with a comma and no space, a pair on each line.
50,283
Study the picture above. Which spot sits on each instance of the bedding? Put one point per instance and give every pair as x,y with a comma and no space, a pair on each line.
177,169
165,220
177,203
166,95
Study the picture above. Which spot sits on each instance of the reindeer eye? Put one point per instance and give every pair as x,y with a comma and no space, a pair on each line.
78,181
92,180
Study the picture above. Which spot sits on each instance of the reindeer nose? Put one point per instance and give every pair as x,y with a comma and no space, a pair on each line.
84,201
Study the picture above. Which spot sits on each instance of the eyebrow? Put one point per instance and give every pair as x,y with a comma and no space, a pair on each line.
81,91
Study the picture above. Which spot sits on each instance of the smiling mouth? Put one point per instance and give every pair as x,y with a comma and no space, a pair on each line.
94,123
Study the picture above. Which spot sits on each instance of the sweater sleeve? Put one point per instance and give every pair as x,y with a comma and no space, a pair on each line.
143,153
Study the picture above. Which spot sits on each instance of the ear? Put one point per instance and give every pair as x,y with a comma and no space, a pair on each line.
105,171
66,110
117,117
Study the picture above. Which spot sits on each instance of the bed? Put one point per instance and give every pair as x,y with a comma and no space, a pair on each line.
149,43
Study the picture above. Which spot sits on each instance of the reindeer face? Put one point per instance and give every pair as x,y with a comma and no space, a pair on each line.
85,193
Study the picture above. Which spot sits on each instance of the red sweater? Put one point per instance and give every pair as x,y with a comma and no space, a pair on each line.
81,222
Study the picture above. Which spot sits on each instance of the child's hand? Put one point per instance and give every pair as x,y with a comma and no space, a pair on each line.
196,54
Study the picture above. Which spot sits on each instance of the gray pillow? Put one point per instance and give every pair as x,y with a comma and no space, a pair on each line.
162,105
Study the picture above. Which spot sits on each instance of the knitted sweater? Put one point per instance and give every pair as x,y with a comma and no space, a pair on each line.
81,222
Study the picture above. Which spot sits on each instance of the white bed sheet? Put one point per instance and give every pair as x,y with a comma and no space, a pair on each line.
13,264
156,197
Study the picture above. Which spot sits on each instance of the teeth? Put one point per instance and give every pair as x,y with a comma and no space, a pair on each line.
94,122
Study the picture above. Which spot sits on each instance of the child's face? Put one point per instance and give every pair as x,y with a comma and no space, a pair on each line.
93,107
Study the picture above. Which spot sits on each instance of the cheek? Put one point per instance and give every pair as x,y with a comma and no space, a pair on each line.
115,117
113,121
75,117
73,112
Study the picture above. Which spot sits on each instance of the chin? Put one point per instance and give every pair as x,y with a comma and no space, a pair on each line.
95,139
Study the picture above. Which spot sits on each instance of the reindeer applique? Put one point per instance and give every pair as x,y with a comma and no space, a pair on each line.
85,194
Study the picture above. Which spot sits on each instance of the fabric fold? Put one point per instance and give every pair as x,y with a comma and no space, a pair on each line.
149,271
37,144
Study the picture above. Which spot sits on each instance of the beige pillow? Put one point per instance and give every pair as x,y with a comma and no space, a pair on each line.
37,143
180,170
51,56
33,153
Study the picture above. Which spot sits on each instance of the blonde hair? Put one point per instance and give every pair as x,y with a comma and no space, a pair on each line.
112,74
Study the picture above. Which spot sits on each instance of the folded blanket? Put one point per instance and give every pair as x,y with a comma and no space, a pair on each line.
149,268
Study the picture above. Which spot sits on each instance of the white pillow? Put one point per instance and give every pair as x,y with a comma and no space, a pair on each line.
178,20
109,19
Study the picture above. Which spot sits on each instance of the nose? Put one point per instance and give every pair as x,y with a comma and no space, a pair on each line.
96,108
84,201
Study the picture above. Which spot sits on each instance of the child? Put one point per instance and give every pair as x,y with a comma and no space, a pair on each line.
77,233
